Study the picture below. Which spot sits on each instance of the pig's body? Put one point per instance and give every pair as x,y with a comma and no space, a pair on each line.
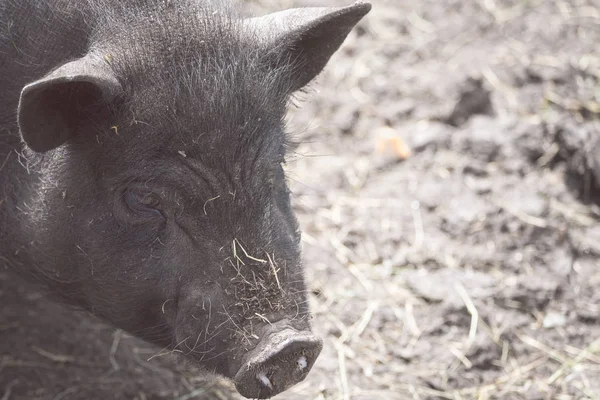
149,190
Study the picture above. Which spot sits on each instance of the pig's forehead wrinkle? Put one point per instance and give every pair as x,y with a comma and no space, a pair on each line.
216,174
233,134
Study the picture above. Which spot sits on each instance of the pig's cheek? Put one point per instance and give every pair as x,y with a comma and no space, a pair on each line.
141,232
199,309
141,235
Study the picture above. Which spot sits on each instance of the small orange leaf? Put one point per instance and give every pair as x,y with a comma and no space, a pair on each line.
389,140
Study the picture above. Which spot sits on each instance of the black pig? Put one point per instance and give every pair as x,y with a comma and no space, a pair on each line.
141,151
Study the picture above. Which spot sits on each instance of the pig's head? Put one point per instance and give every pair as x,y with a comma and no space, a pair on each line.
162,203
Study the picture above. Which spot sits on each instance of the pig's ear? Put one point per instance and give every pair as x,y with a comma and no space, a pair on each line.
306,38
51,109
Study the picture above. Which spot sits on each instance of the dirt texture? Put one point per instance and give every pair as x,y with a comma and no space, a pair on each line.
447,183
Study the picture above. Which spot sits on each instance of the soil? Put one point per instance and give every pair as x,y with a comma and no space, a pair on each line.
447,183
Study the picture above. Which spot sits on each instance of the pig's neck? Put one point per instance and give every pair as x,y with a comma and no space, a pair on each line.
15,180
10,168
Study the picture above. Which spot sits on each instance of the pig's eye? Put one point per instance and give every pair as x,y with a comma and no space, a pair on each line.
142,202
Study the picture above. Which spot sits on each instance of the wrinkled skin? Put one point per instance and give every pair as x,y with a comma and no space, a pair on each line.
142,154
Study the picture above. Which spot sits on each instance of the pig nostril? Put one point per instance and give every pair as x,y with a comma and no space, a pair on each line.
264,380
302,363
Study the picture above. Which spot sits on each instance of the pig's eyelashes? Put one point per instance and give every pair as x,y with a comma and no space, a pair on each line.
142,203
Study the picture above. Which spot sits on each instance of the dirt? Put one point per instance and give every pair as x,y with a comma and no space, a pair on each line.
447,184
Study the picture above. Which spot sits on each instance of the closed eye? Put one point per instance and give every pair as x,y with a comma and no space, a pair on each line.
141,202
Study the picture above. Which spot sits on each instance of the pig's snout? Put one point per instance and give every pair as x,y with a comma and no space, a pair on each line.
281,359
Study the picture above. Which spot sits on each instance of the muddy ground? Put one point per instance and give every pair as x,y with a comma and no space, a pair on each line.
446,185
